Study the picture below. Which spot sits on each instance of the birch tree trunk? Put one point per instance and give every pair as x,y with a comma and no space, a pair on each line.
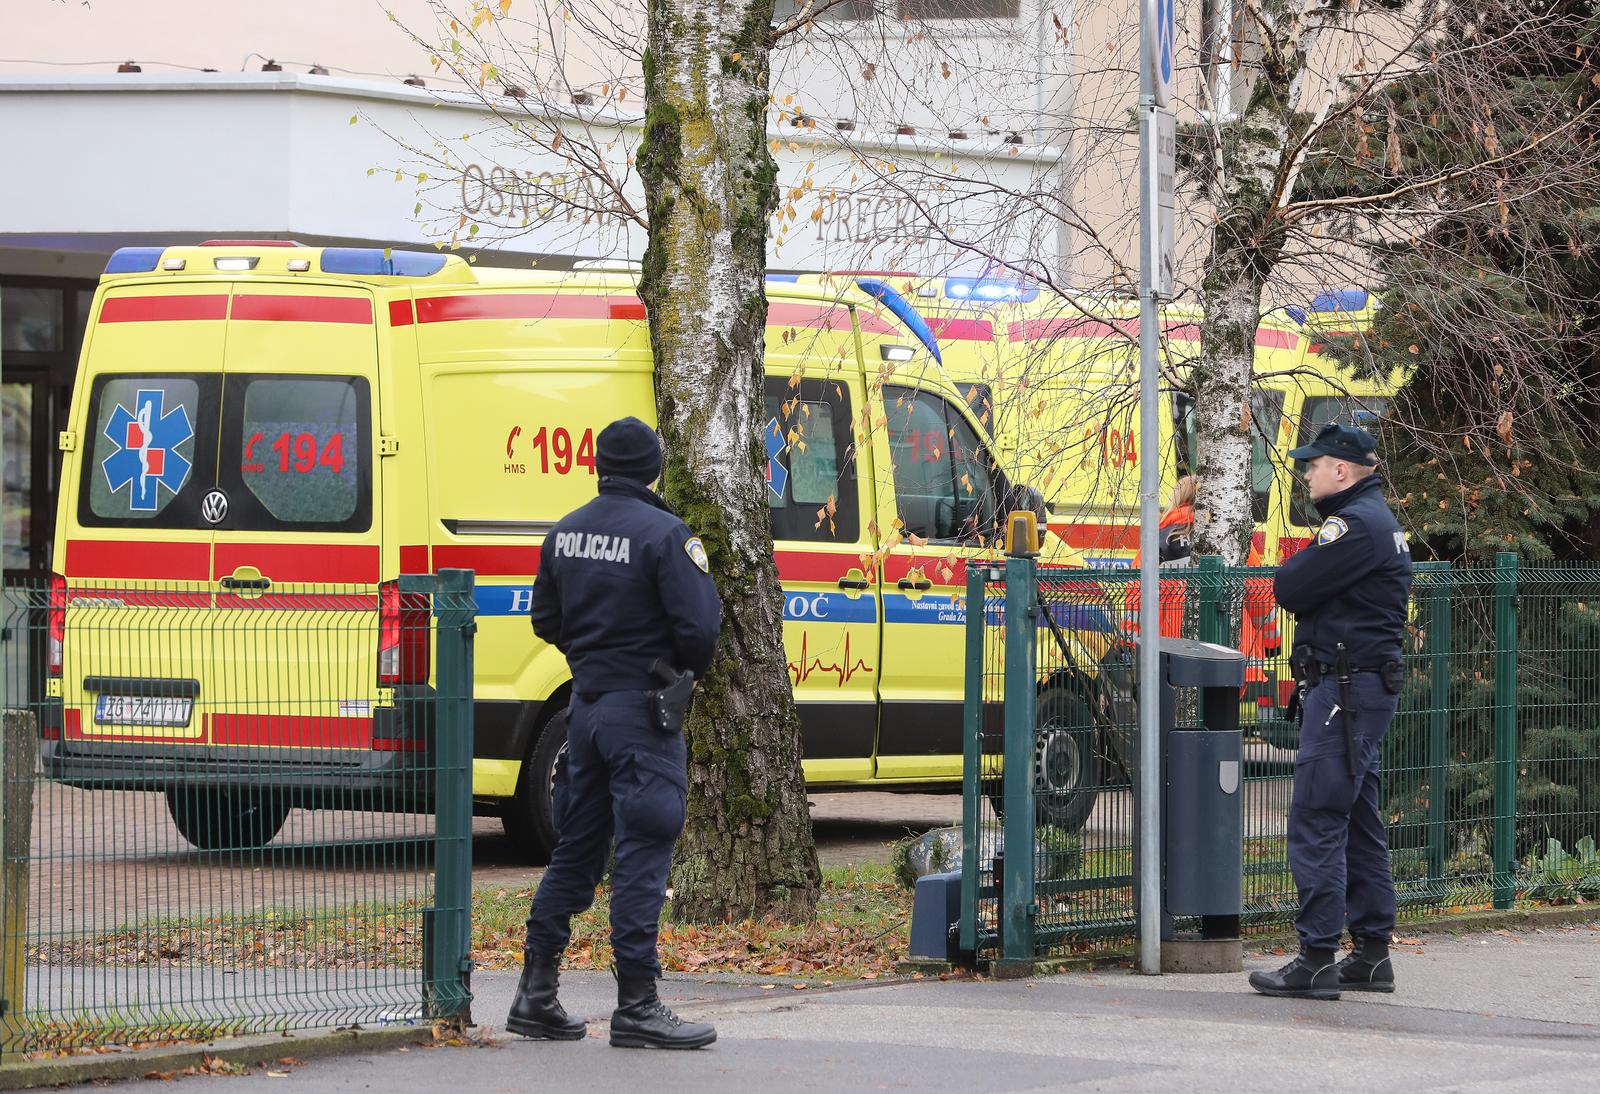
1254,170
709,192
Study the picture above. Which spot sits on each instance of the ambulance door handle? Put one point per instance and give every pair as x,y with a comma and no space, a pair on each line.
246,579
854,583
921,585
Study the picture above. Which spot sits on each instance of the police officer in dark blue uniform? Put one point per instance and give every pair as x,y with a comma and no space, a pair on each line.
624,590
1348,590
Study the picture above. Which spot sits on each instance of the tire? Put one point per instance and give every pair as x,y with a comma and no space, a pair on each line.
1067,763
217,819
529,819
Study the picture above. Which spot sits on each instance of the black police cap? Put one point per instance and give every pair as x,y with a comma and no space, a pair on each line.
1342,442
628,449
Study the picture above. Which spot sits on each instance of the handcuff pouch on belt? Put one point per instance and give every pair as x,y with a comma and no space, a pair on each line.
670,703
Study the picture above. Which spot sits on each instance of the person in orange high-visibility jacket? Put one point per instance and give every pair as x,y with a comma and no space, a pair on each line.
1259,637
1177,525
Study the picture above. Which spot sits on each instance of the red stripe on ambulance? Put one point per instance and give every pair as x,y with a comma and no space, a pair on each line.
488,560
400,314
414,559
1099,537
813,565
961,330
290,730
783,314
181,561
162,309
302,309
450,309
1038,330
331,562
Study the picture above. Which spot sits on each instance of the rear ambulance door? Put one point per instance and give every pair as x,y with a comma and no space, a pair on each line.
820,500
940,506
137,555
296,555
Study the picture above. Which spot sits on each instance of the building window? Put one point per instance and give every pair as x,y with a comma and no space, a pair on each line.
856,11
840,11
928,10
31,319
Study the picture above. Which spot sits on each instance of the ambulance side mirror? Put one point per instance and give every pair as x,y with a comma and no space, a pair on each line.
1028,499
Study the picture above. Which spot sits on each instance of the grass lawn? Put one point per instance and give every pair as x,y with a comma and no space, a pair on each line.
863,927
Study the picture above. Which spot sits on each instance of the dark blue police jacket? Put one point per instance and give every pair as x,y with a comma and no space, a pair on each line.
622,581
1352,582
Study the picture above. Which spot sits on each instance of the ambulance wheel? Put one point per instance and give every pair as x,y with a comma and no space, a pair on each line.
215,819
529,819
1066,776
1066,773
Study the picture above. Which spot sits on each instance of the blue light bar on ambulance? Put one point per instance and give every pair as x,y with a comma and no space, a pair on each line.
903,311
989,288
134,260
1341,300
375,262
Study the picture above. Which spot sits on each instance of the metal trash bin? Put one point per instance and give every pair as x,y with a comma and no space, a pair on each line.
1202,847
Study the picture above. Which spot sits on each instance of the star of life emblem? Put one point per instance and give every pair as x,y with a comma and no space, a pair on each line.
146,456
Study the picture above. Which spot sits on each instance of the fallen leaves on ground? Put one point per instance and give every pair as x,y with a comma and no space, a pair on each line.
862,929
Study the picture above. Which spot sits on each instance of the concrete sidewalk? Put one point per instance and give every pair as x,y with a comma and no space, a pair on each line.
1477,1012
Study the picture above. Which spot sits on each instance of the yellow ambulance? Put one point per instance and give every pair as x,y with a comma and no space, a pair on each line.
265,437
1057,381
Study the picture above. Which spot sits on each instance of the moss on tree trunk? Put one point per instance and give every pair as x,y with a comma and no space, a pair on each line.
709,191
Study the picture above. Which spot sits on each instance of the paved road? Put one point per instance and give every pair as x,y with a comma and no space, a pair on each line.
1499,1011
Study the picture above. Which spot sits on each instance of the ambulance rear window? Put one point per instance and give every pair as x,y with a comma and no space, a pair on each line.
300,448
150,447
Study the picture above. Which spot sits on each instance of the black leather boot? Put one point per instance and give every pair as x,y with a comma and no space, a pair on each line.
1311,975
643,1021
1368,968
536,1012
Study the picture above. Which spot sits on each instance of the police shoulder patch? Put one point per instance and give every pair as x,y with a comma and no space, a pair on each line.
1332,528
697,553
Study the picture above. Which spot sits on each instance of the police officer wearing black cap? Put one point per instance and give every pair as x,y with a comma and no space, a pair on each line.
1348,590
624,590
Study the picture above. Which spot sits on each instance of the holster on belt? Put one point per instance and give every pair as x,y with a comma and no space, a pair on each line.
671,702
1307,674
1347,708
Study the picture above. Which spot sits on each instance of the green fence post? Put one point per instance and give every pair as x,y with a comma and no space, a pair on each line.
1021,714
447,989
1209,575
1505,726
1441,638
972,760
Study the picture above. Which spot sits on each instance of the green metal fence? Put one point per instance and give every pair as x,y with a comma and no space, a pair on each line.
1491,768
233,810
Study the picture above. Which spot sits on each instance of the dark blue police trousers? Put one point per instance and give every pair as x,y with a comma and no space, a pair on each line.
624,779
1338,848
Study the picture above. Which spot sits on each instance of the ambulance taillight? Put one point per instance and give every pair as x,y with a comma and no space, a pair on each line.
403,634
58,621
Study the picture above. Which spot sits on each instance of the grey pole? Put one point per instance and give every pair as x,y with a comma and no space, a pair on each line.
1149,789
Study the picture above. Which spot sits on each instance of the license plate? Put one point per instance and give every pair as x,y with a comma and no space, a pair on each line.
142,710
